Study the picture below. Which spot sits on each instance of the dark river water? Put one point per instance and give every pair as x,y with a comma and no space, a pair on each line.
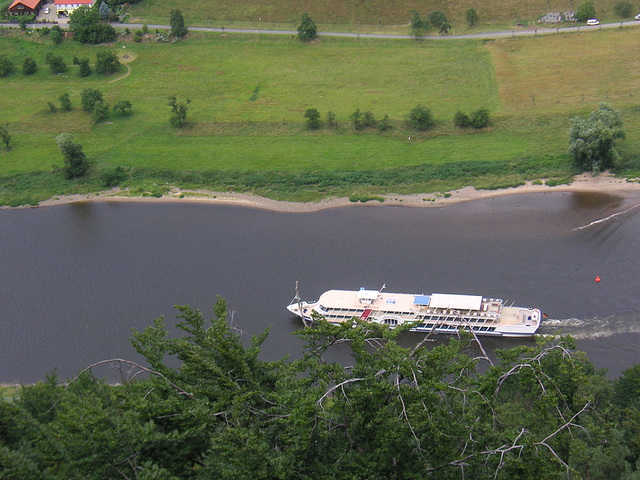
74,279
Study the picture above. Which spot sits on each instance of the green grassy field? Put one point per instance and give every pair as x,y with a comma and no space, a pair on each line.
249,94
364,15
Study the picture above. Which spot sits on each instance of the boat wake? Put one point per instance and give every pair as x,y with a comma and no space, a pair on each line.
590,328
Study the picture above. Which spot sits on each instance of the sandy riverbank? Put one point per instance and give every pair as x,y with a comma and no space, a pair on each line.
603,182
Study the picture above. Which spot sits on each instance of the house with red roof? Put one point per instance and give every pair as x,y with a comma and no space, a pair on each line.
25,7
67,7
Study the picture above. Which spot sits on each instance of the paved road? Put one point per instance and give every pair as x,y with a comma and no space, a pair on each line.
484,35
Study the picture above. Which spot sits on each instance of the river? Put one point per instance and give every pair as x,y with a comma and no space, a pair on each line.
76,278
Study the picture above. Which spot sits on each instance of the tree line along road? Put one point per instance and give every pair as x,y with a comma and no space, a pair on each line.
483,35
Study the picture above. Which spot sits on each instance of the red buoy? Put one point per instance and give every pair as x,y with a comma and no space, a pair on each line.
598,278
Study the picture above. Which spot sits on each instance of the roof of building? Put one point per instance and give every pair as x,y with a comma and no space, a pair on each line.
27,3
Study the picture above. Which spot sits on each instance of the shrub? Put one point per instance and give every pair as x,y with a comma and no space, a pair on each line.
107,63
29,66
331,120
313,118
622,9
461,120
420,118
65,102
57,65
369,120
472,17
480,118
585,11
6,67
56,35
356,119
85,68
385,124
89,97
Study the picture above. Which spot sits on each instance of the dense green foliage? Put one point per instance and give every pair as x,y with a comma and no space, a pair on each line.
307,30
88,27
420,118
592,141
623,9
312,115
585,11
210,407
29,66
107,63
6,66
176,20
472,17
75,161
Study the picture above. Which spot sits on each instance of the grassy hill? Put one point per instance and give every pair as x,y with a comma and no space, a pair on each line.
249,94
363,15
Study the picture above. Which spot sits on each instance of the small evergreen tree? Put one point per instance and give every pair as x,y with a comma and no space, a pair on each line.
307,30
623,9
176,20
100,111
418,24
369,119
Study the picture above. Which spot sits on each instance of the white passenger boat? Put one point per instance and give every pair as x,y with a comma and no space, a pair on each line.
438,312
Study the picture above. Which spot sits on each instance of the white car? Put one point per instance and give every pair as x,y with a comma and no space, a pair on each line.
46,10
593,21
638,16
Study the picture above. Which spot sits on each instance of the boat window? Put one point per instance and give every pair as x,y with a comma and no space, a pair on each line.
391,301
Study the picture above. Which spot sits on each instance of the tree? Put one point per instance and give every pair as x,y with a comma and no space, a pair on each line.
307,30
472,17
623,9
56,64
461,120
369,119
357,119
592,140
313,118
65,102
87,27
5,136
418,24
420,118
445,27
437,18
385,124
85,68
75,161
89,97
56,35
104,11
100,111
107,63
123,107
585,11
179,111
6,66
176,20
332,120
29,66
479,118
